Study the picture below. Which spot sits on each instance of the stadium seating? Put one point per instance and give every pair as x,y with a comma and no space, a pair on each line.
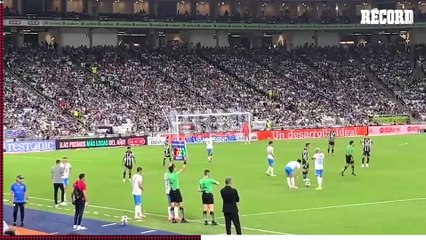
395,67
146,87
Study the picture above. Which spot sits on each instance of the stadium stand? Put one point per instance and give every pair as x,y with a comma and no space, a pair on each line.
307,85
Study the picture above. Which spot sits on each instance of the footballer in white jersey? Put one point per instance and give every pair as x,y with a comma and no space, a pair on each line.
209,145
167,188
66,166
271,159
291,169
137,188
319,166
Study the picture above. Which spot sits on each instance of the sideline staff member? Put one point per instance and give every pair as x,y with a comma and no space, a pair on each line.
80,200
19,197
57,173
230,210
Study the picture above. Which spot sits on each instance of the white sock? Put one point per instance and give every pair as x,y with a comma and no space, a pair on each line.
319,179
289,182
138,210
169,211
176,213
292,182
272,170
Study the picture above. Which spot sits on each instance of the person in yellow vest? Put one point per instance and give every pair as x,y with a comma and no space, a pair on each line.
270,94
94,71
76,114
268,124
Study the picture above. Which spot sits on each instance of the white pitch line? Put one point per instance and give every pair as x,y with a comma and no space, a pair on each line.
50,158
331,207
107,225
164,216
149,231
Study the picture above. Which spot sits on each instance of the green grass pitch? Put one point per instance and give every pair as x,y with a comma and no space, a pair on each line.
387,198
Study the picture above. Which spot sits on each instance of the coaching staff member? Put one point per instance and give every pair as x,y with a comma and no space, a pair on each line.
57,173
19,197
230,210
79,199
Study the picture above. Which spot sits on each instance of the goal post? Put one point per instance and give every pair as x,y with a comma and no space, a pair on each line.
219,125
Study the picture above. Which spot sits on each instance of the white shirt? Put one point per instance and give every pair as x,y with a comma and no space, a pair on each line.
209,143
166,183
319,161
270,152
136,181
67,170
293,165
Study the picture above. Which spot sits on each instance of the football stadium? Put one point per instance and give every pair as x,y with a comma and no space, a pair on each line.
166,117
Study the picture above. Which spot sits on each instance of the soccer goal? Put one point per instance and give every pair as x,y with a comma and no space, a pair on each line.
238,123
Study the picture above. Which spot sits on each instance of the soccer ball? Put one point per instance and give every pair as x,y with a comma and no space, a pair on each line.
124,220
307,183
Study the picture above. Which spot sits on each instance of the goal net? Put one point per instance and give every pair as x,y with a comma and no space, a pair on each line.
220,125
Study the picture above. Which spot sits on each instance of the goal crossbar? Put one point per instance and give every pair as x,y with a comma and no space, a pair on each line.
178,116
212,114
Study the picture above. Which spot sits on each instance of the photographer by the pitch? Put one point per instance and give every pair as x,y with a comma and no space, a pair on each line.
80,200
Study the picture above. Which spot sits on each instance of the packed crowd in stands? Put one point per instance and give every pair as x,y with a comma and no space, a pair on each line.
295,104
395,67
347,82
25,109
66,84
146,87
186,67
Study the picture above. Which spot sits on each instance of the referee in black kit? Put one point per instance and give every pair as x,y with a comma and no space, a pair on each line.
230,210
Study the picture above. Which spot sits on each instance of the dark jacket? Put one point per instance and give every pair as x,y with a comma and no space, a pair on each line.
230,198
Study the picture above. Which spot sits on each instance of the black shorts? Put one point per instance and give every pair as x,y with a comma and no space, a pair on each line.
207,198
305,167
331,143
128,167
175,196
167,155
366,153
349,159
